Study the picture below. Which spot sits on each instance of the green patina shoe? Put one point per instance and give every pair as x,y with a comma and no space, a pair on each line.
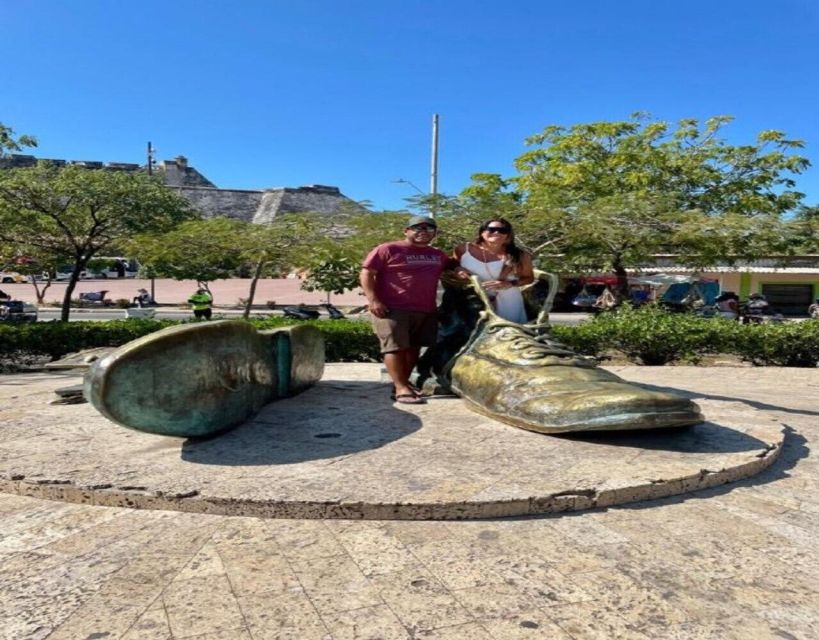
516,374
200,379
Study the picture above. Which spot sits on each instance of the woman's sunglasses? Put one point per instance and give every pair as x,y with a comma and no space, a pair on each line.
497,230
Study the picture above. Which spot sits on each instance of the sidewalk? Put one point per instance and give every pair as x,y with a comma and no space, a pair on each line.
735,562
172,292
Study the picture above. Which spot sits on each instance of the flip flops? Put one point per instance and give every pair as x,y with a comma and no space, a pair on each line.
408,398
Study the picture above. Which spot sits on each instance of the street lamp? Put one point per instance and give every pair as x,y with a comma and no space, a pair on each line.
412,184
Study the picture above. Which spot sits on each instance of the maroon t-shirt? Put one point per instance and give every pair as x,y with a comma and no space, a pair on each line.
406,275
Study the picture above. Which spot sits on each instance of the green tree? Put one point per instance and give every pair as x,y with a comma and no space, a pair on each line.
217,248
9,141
78,212
609,195
201,250
803,230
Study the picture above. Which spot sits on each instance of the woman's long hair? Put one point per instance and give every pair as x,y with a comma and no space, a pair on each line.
512,250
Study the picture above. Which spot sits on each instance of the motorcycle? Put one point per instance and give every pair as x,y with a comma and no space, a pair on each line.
301,312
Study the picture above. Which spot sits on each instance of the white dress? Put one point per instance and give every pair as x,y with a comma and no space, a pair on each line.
508,302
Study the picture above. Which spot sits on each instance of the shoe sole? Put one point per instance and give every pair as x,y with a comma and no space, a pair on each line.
197,380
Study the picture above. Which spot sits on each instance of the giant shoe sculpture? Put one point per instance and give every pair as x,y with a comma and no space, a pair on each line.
203,378
517,374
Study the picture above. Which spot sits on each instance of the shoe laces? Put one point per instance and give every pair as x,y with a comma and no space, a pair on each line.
530,340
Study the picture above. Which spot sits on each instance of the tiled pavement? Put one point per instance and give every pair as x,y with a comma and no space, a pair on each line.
738,561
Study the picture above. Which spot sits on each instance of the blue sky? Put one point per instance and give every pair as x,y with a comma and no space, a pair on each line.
287,93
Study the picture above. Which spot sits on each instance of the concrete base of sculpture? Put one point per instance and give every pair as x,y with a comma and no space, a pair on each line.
201,379
341,449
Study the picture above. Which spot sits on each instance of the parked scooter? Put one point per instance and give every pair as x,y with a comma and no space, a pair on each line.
333,311
301,312
96,297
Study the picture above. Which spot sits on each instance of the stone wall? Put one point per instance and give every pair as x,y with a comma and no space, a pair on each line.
251,205
231,203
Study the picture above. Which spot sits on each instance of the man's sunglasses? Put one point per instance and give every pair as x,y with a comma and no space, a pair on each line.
497,229
424,227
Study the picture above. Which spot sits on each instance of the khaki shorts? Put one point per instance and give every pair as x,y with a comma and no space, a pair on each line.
406,330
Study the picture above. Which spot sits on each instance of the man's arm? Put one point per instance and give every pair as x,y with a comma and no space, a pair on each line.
367,280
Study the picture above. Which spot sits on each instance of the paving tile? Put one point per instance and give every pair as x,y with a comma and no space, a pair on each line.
419,601
151,625
206,562
201,605
336,584
468,631
375,550
304,539
97,620
289,616
533,624
590,621
455,565
539,580
367,623
494,600
257,568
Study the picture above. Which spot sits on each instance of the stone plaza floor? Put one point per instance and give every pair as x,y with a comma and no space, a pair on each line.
739,560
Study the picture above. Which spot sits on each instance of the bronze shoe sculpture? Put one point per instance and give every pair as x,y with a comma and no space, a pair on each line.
203,378
518,375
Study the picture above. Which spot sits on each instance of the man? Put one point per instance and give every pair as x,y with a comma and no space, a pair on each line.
200,303
400,280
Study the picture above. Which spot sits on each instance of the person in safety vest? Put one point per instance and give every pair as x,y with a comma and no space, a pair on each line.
200,302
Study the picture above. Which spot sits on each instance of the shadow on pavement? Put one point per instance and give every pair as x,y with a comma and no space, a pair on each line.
332,419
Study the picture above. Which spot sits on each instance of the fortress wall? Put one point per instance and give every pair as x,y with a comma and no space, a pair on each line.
230,203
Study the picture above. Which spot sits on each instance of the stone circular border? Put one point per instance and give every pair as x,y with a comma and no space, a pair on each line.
444,462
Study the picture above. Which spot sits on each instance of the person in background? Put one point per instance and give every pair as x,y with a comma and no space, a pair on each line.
143,298
201,302
500,265
728,305
400,280
813,310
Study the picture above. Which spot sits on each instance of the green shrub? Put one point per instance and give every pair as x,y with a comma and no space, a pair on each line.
793,344
648,336
346,340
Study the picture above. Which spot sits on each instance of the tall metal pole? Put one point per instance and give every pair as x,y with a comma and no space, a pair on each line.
433,179
150,173
150,159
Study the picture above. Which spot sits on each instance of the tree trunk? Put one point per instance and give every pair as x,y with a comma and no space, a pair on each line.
622,281
252,293
72,283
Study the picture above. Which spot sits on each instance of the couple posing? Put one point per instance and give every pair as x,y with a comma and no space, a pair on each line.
400,280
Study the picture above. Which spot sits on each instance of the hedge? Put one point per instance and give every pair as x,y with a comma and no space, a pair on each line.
345,340
646,336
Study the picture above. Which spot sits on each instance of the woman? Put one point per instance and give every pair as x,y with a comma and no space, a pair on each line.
500,265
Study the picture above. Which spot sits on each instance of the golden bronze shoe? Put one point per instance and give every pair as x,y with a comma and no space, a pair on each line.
518,375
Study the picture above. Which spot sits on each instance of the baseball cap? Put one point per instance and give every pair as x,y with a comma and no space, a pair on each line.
420,220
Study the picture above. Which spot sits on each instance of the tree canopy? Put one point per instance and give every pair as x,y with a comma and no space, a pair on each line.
609,195
76,212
